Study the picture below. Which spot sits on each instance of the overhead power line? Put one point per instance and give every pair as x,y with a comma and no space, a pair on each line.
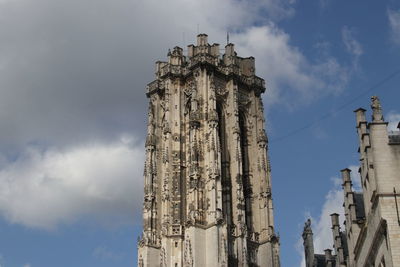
338,109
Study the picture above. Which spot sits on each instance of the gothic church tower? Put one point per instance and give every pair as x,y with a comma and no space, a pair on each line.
207,174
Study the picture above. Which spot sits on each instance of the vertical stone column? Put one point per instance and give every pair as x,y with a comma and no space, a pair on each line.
239,231
337,240
308,244
366,159
149,246
352,227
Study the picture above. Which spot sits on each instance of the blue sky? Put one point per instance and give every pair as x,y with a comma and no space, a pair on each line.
73,111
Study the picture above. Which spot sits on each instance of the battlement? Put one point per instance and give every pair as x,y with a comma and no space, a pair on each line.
203,53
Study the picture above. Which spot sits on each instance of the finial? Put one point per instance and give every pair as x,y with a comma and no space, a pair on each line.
376,109
307,226
227,37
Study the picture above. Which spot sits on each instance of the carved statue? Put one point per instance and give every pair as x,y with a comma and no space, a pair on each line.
307,226
376,109
191,102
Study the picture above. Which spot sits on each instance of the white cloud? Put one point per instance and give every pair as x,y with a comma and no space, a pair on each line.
67,65
321,224
27,265
324,3
393,118
394,23
287,71
352,45
355,178
103,253
43,189
350,42
72,72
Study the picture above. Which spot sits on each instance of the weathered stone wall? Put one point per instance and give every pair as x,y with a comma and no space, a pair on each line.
207,177
372,225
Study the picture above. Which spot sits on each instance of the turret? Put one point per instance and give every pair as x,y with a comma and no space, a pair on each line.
337,240
176,57
230,55
308,243
202,39
349,203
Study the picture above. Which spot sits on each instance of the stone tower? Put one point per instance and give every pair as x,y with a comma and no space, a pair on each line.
207,174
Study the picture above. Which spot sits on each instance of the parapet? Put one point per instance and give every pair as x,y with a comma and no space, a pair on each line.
204,54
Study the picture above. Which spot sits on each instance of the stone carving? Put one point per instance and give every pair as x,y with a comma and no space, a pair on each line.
212,118
195,170
377,115
163,257
264,197
223,252
244,99
148,201
191,99
165,189
165,155
262,138
188,256
307,226
219,216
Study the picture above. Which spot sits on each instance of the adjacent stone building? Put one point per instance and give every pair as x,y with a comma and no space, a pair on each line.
372,222
207,174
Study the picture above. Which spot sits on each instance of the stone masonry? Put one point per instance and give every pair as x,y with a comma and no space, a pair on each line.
207,174
372,221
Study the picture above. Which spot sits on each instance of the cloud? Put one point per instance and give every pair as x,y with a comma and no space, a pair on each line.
103,253
321,224
353,47
323,4
72,79
287,71
101,182
72,71
394,119
394,23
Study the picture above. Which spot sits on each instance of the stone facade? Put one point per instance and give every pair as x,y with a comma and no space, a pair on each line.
207,174
372,225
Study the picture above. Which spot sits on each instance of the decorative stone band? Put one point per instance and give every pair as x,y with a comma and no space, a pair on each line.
253,81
